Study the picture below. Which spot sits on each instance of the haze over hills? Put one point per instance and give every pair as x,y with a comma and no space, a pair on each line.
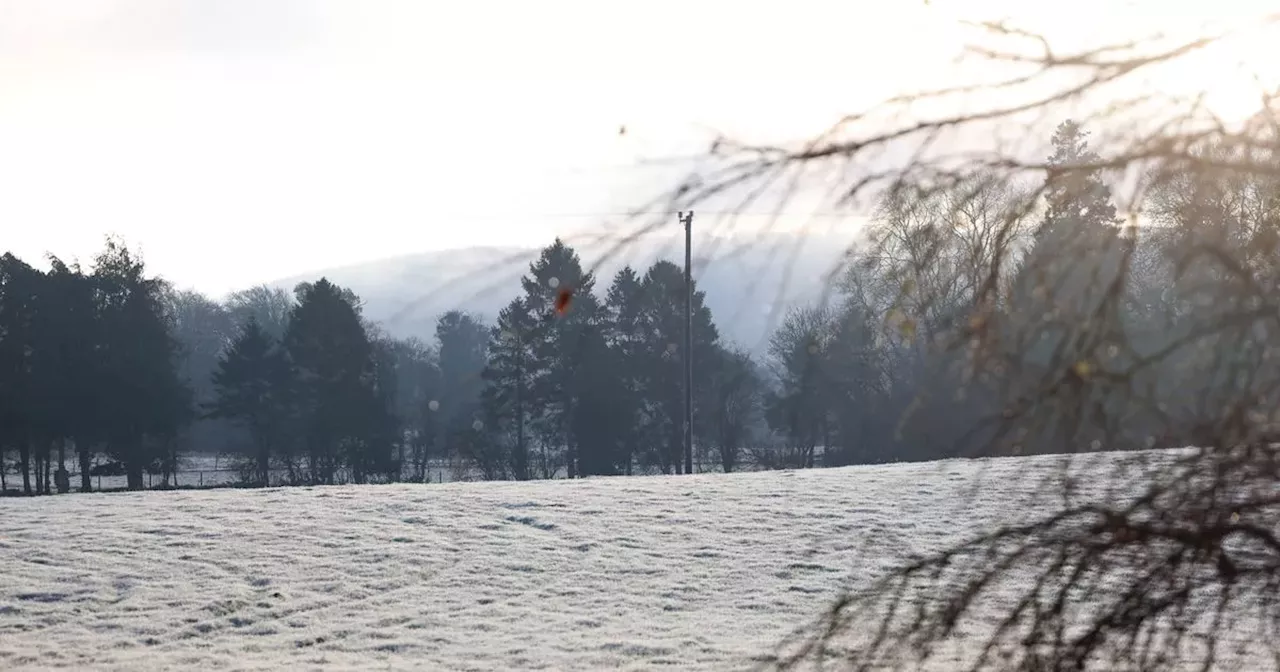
749,282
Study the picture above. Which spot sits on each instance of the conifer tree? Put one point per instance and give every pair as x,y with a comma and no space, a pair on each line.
250,385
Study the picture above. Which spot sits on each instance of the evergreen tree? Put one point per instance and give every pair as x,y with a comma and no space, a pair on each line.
1077,199
1079,224
145,402
1067,298
19,288
462,339
508,390
382,441
332,363
625,336
863,412
562,342
251,387
661,358
601,414
66,355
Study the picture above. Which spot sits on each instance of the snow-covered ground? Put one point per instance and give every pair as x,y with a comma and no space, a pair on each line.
698,572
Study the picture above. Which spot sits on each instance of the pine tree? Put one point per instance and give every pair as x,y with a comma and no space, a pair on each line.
626,339
561,344
661,357
600,422
508,390
1067,297
250,387
382,441
332,361
1079,205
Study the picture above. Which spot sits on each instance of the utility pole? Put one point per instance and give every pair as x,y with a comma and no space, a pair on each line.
523,456
686,218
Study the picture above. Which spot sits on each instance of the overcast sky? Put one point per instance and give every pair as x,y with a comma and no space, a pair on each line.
238,141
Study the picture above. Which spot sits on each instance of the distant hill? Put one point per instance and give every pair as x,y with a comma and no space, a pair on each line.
743,279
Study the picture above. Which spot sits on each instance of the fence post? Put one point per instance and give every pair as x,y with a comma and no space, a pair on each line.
201,479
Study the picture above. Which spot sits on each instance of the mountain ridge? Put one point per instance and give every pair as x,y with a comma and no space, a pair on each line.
749,284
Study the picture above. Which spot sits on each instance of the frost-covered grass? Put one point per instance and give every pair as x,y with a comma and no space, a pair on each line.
699,572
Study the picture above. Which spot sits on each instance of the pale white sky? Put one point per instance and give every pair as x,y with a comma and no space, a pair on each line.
239,141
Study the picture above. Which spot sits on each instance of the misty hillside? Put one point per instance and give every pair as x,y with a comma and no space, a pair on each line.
743,279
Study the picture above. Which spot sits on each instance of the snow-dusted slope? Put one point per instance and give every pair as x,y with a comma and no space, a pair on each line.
698,572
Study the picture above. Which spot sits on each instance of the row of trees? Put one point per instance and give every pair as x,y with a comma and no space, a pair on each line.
111,361
990,317
87,361
112,364
122,373
595,389
598,389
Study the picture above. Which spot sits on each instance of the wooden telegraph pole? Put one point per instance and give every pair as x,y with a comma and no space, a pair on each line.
686,218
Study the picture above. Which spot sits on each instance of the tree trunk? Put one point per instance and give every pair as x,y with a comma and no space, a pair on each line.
420,459
357,465
264,463
171,463
63,478
133,474
48,467
38,470
24,461
86,459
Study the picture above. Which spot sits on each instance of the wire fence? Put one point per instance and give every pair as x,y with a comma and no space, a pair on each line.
202,472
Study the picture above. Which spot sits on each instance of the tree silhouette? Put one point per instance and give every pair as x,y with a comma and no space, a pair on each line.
252,387
332,363
560,344
508,390
662,316
145,403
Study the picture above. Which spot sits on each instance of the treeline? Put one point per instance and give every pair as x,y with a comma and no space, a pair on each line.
594,387
988,317
124,374
86,360
974,302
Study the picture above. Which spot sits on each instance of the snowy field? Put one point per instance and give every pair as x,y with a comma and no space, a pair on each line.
699,572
